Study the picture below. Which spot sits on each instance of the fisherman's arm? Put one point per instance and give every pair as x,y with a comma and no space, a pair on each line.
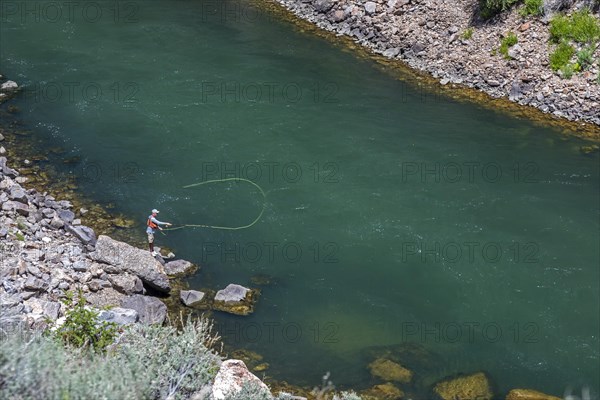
157,222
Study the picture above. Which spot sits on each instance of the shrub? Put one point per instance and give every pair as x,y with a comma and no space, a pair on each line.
490,8
561,56
560,28
507,42
147,362
467,34
532,7
585,28
82,328
581,27
567,71
585,57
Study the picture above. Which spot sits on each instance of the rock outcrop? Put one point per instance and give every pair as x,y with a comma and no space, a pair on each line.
233,375
122,257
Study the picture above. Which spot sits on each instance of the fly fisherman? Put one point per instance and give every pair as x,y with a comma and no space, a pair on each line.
153,224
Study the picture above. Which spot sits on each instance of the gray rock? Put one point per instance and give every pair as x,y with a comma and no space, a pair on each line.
150,309
232,293
66,216
370,7
493,83
418,47
9,85
126,284
17,207
235,299
127,258
393,52
80,266
4,169
35,271
191,297
84,233
323,6
338,16
95,285
33,283
18,194
179,267
121,316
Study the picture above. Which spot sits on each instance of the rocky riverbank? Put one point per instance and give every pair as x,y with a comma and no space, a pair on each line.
448,40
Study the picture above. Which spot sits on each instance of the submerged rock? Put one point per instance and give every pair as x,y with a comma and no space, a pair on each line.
390,371
475,386
235,299
528,394
232,376
386,391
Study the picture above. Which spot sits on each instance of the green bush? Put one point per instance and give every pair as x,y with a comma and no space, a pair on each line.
467,34
585,57
82,328
507,42
585,27
560,28
567,71
532,7
561,56
491,8
581,27
146,363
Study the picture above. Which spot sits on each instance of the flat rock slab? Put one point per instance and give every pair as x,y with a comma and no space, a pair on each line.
235,299
191,297
121,316
150,309
126,258
179,267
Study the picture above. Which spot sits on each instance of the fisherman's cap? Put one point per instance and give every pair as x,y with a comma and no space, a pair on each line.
155,211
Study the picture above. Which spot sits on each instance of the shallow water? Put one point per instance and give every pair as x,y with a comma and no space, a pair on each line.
392,215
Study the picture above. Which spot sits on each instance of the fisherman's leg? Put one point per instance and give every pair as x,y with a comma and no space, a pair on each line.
151,242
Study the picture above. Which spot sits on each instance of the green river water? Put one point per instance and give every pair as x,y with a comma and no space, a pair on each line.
392,216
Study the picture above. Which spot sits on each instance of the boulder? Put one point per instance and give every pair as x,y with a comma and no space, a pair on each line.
475,386
18,194
67,216
9,85
121,316
150,309
84,233
179,267
528,394
126,283
6,170
232,376
191,297
33,283
126,258
390,371
370,7
235,299
386,391
323,6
